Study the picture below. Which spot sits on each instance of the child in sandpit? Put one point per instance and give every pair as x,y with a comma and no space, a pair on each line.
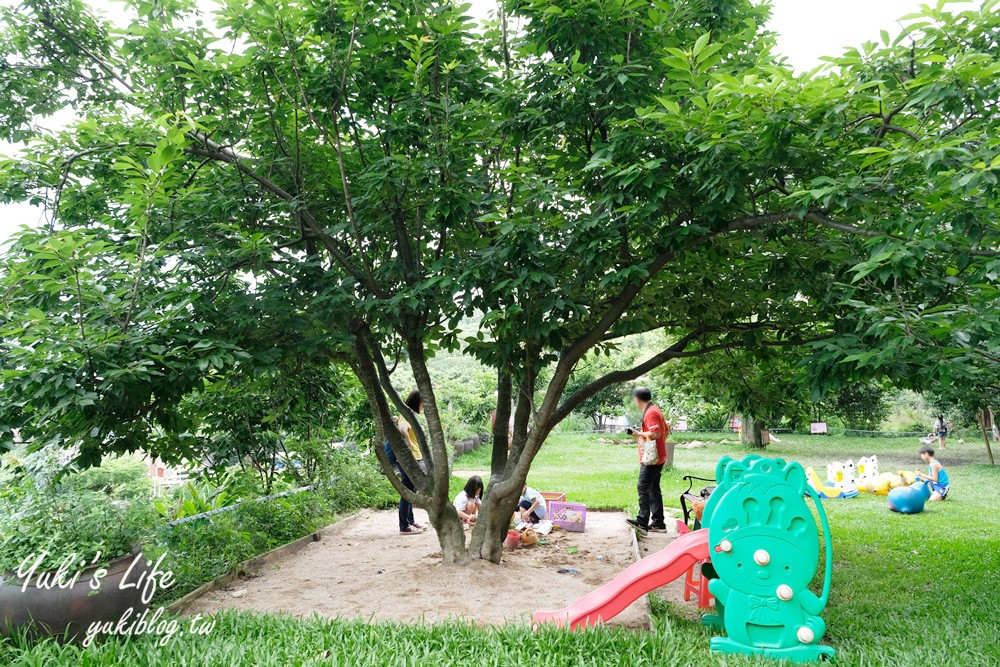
532,505
469,500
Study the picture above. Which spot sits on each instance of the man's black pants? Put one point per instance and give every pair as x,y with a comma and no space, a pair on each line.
650,497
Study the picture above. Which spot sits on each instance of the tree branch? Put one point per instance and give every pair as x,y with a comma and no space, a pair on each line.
210,149
826,221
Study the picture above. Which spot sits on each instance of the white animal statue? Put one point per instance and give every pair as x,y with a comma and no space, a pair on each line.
867,469
841,476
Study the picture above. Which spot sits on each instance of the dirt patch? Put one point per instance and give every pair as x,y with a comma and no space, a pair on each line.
363,568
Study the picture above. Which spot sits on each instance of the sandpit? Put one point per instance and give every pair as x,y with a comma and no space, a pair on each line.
362,568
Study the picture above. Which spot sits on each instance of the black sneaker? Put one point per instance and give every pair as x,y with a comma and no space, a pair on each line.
635,523
658,528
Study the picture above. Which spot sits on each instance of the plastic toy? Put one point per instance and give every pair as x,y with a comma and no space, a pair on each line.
867,470
635,581
870,481
909,499
878,486
764,553
826,491
887,481
697,578
841,476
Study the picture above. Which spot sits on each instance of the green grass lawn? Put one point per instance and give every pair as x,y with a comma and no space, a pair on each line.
907,590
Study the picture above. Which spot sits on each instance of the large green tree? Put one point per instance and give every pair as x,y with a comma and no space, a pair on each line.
767,386
862,405
574,173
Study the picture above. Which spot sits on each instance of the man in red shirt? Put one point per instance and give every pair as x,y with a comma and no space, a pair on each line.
654,427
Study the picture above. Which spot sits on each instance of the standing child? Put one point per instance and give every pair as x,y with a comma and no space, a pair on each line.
940,431
469,499
407,523
936,475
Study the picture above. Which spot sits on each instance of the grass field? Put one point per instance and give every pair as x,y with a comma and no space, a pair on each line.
907,590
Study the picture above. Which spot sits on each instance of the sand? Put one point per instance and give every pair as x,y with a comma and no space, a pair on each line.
362,568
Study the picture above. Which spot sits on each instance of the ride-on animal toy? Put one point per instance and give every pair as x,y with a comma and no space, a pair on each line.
909,499
870,481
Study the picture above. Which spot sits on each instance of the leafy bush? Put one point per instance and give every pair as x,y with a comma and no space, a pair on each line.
62,522
357,481
199,551
51,518
709,416
194,497
862,405
455,429
575,423
121,477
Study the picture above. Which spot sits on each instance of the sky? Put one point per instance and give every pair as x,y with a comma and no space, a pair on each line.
807,30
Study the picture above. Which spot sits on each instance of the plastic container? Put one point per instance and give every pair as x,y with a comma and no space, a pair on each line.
569,516
512,540
553,497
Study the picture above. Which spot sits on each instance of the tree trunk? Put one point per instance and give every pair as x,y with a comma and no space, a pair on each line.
986,436
492,527
451,536
501,426
753,433
670,455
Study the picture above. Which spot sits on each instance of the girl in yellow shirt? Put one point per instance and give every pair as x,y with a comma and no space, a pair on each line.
407,524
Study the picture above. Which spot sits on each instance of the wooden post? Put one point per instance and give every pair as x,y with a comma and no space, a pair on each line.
984,418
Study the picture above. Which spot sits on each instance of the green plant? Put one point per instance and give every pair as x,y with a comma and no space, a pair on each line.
862,405
87,524
48,519
120,477
195,497
198,551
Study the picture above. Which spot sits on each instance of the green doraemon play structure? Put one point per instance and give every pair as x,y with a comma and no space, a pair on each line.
765,551
763,547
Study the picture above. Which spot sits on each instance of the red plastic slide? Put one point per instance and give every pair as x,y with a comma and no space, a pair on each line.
638,579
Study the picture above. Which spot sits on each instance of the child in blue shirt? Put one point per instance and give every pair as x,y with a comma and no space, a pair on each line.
936,475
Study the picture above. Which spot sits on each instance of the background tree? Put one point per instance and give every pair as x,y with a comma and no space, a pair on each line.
923,315
971,403
862,405
766,389
612,400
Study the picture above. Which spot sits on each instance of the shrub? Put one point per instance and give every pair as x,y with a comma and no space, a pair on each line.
52,517
862,405
200,550
120,477
195,497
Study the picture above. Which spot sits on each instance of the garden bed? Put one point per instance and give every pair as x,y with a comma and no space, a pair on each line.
362,568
